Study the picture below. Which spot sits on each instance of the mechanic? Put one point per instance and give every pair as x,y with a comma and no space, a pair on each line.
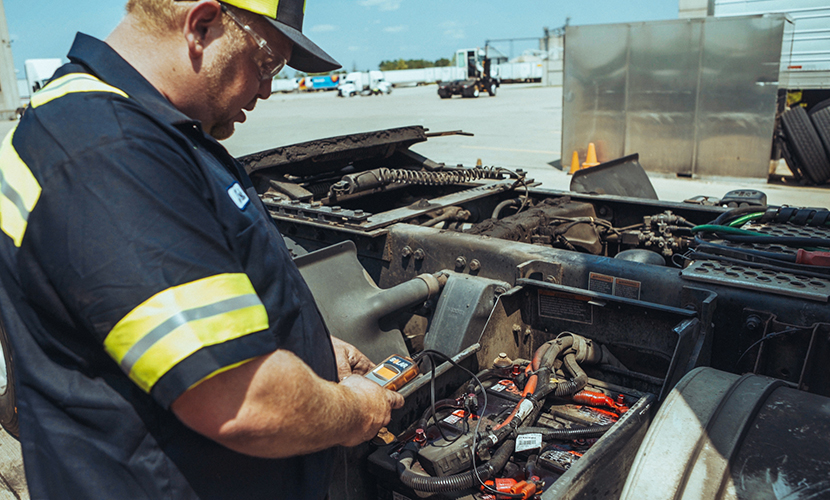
165,344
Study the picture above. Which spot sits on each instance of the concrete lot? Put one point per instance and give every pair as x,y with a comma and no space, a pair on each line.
519,128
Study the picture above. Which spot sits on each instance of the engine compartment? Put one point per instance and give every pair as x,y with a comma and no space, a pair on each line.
661,287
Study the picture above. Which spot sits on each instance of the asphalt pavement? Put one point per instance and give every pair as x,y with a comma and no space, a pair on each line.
521,127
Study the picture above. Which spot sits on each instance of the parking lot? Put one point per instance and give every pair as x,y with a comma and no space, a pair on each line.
519,128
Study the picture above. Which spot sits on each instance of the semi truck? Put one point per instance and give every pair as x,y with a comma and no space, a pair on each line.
478,77
39,71
363,83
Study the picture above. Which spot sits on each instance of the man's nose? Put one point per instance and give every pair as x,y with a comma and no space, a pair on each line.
264,89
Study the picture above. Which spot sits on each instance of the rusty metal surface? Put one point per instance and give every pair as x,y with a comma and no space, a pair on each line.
335,153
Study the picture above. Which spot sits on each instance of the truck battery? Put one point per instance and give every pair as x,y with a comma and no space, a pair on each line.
442,457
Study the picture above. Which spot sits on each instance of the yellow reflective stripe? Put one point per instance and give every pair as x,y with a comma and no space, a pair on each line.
264,7
70,84
19,191
222,370
175,323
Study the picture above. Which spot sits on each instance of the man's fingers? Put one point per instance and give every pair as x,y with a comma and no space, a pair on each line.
395,400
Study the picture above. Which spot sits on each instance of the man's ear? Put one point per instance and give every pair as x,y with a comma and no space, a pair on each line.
203,24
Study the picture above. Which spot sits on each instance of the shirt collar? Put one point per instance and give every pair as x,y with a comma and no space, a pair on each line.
105,63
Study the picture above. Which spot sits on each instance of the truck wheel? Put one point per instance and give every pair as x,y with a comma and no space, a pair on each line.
805,144
444,95
8,401
492,89
820,117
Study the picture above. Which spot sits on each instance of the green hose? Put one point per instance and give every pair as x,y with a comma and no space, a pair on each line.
712,228
740,221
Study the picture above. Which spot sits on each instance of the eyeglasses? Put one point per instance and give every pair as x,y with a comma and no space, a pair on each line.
268,62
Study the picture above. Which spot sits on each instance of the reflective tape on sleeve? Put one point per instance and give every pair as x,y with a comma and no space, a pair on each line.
175,323
19,191
70,84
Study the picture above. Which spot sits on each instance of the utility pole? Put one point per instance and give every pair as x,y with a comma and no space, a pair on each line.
9,95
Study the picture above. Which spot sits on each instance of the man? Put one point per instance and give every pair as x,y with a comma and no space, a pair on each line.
165,344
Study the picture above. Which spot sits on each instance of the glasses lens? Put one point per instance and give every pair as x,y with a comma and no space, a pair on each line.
269,63
269,66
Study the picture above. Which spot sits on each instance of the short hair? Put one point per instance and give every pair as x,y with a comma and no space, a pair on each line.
167,15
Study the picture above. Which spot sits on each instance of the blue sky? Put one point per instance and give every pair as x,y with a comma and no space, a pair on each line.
358,33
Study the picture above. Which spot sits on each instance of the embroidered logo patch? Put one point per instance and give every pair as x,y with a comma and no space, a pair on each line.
238,196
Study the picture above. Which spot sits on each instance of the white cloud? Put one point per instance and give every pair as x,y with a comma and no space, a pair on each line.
394,29
322,28
453,30
385,5
456,33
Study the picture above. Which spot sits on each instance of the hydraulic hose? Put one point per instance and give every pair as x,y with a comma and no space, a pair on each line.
506,203
455,482
579,381
566,434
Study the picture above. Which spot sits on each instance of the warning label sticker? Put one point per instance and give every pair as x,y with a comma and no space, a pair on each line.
611,285
567,306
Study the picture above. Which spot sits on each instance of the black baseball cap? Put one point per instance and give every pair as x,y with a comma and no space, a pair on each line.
287,17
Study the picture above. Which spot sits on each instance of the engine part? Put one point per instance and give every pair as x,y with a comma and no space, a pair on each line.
561,223
642,256
340,282
379,177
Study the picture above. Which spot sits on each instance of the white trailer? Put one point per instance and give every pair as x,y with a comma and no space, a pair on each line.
805,55
363,83
285,85
39,71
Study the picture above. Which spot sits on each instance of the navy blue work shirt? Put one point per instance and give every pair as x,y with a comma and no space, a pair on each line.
140,263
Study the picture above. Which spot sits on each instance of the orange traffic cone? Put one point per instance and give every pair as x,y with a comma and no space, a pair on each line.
591,160
574,163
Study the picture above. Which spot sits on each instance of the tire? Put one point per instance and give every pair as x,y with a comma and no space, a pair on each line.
8,400
818,107
805,145
444,94
820,118
492,89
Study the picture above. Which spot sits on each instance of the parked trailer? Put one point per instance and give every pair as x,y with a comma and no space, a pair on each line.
39,71
423,76
518,71
312,83
285,85
805,54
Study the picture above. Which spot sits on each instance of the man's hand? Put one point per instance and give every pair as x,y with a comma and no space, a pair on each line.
375,403
350,361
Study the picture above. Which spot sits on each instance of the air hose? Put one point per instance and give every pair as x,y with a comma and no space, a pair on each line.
455,482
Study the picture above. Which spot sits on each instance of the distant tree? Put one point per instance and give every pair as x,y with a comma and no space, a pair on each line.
387,65
401,64
443,62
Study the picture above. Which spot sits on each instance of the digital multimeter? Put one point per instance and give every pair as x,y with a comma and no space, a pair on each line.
394,372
